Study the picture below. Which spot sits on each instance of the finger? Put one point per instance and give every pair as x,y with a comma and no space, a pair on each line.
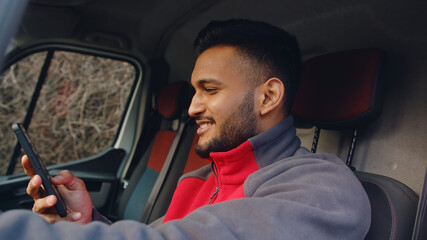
42,204
28,168
67,179
34,188
73,216
51,218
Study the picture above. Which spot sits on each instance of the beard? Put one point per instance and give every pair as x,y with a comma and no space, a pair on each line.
238,127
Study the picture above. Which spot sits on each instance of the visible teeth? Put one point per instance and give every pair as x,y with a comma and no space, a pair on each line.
205,125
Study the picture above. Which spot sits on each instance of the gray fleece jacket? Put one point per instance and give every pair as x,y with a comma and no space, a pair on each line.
292,195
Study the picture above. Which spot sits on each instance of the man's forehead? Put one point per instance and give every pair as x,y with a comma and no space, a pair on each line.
217,65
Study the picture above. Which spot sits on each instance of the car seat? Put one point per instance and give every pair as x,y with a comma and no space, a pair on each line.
420,229
150,187
344,91
144,175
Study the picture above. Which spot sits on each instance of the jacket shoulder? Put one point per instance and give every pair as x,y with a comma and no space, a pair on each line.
201,173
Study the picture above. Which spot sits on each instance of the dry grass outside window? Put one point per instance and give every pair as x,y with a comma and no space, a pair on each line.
80,107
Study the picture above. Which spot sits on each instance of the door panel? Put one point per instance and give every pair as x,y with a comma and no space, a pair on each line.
98,173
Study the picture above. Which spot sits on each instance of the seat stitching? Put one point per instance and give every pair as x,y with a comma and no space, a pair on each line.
391,205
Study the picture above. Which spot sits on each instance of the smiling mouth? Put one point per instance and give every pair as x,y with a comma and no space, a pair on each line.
204,124
203,127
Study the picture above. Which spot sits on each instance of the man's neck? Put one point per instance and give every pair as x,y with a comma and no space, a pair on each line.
269,121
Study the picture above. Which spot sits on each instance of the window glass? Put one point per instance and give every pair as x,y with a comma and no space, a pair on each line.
80,106
17,84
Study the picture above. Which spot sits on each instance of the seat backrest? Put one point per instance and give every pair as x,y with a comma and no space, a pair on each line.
344,90
171,104
186,160
153,181
420,229
393,207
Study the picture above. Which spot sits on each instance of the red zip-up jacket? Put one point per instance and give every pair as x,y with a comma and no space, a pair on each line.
221,181
268,188
274,165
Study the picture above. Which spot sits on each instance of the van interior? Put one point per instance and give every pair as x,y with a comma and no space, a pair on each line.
132,60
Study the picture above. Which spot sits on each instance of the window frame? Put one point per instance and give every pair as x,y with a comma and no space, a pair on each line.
128,126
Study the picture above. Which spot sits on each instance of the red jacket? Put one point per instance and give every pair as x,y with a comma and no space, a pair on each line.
221,181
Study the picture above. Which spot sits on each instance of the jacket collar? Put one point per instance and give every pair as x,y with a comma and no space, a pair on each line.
276,143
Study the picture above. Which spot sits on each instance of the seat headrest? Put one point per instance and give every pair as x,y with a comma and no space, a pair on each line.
340,90
173,99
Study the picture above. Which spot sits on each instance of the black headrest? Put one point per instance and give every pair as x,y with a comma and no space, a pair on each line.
340,90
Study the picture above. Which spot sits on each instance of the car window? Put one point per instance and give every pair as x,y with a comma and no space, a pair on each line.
71,103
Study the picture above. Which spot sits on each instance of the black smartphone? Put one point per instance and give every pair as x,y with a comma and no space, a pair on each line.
39,166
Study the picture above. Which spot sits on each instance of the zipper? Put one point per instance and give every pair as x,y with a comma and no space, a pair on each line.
215,194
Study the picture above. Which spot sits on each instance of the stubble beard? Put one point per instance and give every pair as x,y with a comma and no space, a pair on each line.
236,129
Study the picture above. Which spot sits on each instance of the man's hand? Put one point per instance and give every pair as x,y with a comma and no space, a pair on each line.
72,189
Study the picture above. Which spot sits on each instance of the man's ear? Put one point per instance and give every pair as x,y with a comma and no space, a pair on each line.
273,95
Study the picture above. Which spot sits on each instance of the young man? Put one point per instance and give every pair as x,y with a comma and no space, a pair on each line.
261,182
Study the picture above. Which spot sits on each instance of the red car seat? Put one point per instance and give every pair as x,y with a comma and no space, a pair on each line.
344,90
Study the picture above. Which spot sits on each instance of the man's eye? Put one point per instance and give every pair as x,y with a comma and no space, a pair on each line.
211,90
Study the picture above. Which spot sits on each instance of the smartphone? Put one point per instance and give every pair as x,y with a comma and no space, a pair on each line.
39,166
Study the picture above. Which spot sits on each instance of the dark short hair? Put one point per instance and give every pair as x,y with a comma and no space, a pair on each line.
273,51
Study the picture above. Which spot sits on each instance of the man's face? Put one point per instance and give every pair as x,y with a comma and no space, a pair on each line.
223,105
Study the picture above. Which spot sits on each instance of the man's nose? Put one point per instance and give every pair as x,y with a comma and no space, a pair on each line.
196,107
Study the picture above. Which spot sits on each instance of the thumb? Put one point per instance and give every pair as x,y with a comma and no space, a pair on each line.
51,218
67,179
73,216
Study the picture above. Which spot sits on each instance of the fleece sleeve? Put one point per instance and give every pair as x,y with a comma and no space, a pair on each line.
302,199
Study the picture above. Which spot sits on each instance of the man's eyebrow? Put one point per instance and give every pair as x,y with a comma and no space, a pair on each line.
209,80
